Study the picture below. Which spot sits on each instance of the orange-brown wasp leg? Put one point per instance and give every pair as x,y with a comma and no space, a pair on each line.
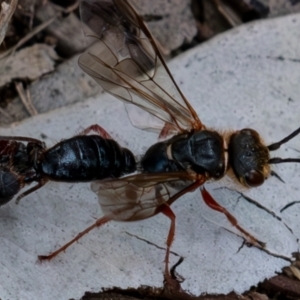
201,180
98,223
167,211
98,129
212,203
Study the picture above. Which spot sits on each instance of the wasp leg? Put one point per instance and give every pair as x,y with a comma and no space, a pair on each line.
98,129
166,130
170,282
98,223
41,183
212,203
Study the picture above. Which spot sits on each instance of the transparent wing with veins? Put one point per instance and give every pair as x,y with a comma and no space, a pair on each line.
142,196
138,197
126,62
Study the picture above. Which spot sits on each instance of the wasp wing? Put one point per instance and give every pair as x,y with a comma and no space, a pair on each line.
127,63
139,196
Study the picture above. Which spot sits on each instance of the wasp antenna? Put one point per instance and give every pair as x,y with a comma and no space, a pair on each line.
278,160
273,173
277,145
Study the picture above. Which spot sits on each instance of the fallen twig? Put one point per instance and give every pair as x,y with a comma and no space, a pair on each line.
7,11
25,98
28,36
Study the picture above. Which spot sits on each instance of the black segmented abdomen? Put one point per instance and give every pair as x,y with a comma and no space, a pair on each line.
86,158
9,185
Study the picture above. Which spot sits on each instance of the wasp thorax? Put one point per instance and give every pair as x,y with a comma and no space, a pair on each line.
248,157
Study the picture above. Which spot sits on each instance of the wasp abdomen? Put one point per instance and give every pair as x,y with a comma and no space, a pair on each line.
86,158
9,185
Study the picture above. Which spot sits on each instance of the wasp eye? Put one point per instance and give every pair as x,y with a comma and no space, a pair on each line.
254,178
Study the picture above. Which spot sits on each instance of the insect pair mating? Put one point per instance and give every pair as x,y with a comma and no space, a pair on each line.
126,62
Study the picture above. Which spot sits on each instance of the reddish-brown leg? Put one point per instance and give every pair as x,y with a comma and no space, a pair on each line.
98,129
41,183
169,280
188,189
98,223
212,203
167,129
